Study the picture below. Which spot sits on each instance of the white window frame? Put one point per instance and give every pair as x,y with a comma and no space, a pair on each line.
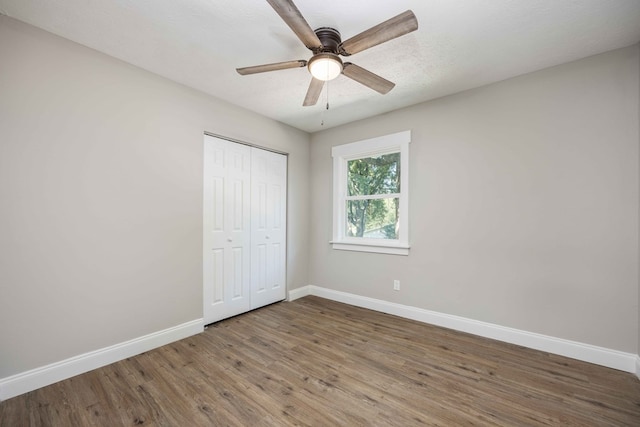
342,154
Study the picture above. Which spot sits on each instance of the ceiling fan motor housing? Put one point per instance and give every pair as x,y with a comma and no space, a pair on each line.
330,39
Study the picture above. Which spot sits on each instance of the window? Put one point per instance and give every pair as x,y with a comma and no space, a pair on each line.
370,195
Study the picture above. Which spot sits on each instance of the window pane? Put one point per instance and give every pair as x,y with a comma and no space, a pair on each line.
374,175
373,218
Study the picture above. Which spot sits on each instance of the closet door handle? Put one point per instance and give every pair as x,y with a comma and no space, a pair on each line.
267,237
229,239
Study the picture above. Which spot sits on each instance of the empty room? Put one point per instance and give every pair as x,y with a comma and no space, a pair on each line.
288,212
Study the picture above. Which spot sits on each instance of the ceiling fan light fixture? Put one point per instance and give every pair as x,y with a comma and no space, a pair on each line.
325,66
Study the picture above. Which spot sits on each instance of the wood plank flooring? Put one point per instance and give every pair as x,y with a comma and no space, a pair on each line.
321,363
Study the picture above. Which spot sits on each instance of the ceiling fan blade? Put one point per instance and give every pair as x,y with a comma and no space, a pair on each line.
367,78
271,67
294,19
313,93
397,26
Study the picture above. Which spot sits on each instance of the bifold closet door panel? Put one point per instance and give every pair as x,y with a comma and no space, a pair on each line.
227,229
268,227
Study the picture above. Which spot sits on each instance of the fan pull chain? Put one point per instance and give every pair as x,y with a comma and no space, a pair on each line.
326,95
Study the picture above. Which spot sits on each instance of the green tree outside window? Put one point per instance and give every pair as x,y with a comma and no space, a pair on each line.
373,191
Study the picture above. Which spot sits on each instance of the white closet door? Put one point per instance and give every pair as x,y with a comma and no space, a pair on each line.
227,229
268,227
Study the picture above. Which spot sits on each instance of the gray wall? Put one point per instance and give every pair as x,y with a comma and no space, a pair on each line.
101,197
523,207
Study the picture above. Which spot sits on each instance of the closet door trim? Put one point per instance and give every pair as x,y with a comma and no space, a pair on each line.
237,141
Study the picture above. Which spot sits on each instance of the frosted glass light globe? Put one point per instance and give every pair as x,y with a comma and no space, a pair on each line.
325,66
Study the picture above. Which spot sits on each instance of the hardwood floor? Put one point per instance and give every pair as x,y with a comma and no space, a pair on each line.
321,363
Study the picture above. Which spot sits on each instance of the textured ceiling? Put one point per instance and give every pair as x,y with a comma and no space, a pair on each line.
460,44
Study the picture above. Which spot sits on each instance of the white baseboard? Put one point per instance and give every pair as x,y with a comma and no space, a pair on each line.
294,294
43,376
589,353
30,380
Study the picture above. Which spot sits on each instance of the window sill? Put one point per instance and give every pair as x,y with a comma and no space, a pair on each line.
371,247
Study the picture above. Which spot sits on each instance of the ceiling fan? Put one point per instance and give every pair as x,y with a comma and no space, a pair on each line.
327,46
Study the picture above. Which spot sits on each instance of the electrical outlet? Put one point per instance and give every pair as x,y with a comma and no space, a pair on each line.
396,285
